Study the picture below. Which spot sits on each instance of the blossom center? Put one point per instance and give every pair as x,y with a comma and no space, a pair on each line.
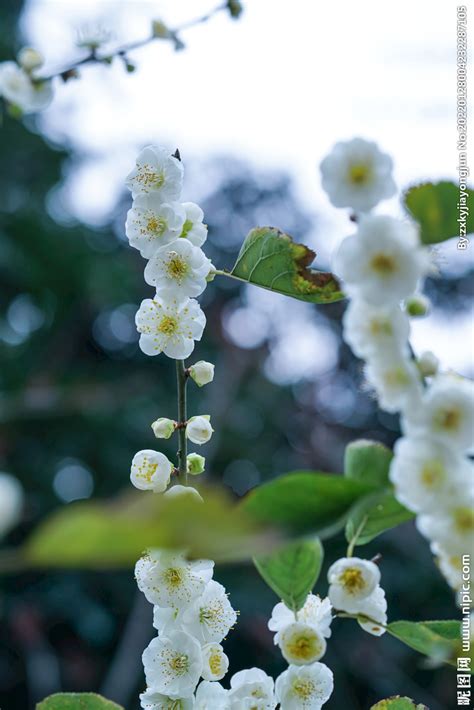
464,519
179,664
304,689
352,580
304,647
383,264
168,325
432,473
215,663
150,177
448,419
380,326
176,267
156,225
174,576
396,377
359,173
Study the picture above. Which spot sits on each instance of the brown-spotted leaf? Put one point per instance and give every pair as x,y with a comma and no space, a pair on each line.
271,259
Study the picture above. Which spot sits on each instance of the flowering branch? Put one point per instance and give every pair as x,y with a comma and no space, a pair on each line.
182,380
159,32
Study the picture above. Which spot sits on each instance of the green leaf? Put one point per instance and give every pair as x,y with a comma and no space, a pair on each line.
101,534
77,701
437,639
305,502
292,571
373,515
398,703
367,461
434,207
271,259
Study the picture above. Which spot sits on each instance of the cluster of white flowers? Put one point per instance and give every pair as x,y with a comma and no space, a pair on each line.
382,265
169,234
19,85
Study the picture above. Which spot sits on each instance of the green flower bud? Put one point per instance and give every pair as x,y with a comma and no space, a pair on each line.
196,464
163,428
202,372
417,306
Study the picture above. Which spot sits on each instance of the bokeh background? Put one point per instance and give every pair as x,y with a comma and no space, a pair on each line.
253,105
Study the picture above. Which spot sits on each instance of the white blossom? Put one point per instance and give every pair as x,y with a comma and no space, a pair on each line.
177,490
195,464
178,270
428,363
453,527
202,372
450,565
316,612
357,174
169,327
157,172
211,696
151,700
251,689
426,473
304,687
373,330
194,229
375,608
199,429
168,579
173,664
351,580
30,59
11,502
397,381
167,619
211,616
163,428
152,224
151,470
301,643
447,412
18,88
383,262
215,662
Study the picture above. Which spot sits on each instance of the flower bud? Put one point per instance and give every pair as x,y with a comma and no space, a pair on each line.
30,59
417,306
159,29
163,428
199,429
235,8
177,490
428,364
202,372
196,464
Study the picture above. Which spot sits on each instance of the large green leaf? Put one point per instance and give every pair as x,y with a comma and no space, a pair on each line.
305,502
398,703
373,515
367,461
434,207
292,571
271,259
437,639
102,534
77,701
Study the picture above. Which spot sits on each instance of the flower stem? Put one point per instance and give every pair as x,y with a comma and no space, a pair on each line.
353,542
182,381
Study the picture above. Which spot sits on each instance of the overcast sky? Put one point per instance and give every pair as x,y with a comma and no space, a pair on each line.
277,88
